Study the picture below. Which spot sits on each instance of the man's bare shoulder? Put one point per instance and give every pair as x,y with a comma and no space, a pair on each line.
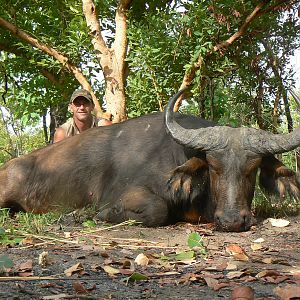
103,122
59,134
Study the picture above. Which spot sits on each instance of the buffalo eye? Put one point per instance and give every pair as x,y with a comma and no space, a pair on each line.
252,166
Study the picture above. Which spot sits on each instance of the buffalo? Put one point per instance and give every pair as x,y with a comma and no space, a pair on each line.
157,169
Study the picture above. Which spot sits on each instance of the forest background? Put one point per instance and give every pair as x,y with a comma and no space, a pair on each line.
133,55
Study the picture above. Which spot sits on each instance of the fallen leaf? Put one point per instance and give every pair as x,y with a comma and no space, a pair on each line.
288,292
186,278
110,270
128,264
74,269
279,222
219,267
142,260
249,279
235,274
211,282
214,283
67,234
25,266
79,288
242,292
185,256
27,241
231,267
268,260
127,272
267,273
104,254
259,240
237,252
256,247
136,277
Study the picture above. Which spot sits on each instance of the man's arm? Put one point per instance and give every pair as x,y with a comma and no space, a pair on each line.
59,135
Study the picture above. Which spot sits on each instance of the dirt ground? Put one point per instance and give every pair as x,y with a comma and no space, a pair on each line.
104,263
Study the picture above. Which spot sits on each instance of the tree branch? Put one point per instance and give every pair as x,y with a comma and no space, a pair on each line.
120,44
52,52
189,76
90,13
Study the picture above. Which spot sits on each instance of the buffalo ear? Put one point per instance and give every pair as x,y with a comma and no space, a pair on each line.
180,179
276,178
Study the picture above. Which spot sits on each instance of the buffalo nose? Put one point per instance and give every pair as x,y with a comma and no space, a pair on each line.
233,220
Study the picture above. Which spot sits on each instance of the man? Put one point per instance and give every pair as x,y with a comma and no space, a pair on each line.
81,105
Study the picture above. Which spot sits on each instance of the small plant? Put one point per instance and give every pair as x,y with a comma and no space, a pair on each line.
195,242
8,237
34,224
4,217
89,223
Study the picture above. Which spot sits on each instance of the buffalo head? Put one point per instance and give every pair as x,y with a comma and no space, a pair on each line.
233,156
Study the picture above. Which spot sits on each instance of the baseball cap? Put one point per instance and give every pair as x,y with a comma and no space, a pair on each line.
81,93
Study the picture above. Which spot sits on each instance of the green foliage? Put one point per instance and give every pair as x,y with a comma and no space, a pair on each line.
272,205
16,141
265,206
136,276
13,229
5,263
4,217
9,238
185,255
33,223
195,240
165,44
89,223
8,234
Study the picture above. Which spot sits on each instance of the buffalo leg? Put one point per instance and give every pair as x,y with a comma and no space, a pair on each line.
137,204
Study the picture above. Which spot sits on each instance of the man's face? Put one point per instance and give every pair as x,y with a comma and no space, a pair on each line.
81,108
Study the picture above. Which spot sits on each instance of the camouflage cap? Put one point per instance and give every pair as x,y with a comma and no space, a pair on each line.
81,93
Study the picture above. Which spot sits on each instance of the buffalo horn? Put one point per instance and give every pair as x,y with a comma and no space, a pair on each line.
297,99
205,139
214,138
264,142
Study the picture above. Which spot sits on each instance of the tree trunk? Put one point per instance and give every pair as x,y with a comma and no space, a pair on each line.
258,104
211,99
45,128
111,60
275,113
287,109
275,68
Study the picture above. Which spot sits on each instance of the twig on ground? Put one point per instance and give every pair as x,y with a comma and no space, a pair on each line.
129,222
65,296
42,237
